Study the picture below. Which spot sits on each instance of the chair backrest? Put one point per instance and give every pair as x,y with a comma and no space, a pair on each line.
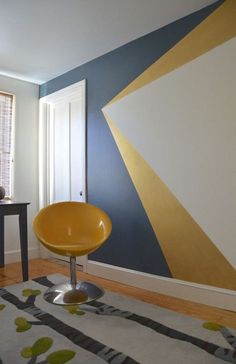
72,223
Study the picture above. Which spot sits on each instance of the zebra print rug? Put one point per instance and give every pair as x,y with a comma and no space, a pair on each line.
116,329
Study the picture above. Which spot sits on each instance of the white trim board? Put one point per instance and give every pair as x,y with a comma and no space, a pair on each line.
208,295
14,256
69,91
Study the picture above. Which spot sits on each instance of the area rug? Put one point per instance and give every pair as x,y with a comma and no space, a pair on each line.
116,329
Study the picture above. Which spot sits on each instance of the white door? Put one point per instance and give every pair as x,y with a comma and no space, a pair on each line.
62,147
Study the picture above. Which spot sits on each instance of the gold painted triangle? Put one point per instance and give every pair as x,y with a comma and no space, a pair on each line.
189,252
216,29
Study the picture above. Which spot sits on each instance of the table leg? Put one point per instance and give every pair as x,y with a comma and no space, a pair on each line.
2,241
24,242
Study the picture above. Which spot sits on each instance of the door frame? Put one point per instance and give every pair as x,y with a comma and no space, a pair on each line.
46,172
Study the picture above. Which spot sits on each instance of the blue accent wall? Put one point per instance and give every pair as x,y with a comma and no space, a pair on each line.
133,243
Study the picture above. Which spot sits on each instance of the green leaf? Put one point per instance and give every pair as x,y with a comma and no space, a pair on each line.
22,324
212,326
60,356
30,292
26,352
20,321
74,309
36,292
2,306
27,292
71,309
24,328
80,313
41,345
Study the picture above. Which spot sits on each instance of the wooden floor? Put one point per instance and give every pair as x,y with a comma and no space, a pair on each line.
11,274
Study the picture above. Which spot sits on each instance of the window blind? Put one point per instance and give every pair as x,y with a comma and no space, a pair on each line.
6,142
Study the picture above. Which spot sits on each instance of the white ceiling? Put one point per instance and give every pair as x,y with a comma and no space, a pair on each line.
41,39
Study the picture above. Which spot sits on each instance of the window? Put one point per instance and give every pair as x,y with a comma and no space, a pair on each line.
6,142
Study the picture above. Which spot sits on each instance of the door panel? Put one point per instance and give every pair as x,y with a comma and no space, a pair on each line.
77,149
61,158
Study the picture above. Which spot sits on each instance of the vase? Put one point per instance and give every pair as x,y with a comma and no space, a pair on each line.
2,193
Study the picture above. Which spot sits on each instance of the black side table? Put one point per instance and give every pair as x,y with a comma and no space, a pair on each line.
15,208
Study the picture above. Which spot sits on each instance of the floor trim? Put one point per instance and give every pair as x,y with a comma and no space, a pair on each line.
14,256
208,295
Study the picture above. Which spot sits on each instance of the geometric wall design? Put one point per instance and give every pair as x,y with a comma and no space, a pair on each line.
155,226
175,129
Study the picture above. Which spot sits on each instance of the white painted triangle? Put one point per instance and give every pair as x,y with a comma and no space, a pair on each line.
184,126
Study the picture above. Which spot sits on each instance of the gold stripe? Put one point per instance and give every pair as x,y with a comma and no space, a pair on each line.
190,254
216,29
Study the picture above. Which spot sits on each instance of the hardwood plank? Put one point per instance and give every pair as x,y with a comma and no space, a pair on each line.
11,274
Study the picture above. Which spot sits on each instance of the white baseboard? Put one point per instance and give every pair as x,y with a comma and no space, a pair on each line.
14,256
43,252
208,295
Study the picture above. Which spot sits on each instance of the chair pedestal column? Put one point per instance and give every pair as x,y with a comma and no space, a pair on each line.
73,278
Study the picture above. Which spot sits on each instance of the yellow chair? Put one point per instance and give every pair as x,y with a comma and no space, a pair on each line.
72,229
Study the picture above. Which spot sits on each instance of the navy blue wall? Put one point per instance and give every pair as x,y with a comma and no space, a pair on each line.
133,243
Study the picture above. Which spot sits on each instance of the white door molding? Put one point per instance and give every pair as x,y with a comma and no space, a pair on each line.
62,147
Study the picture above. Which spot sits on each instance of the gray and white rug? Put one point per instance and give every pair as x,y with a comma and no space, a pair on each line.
116,329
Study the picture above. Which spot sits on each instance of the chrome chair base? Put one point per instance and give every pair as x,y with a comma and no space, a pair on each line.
70,294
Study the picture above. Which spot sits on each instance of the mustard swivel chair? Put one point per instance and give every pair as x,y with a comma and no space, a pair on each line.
72,229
